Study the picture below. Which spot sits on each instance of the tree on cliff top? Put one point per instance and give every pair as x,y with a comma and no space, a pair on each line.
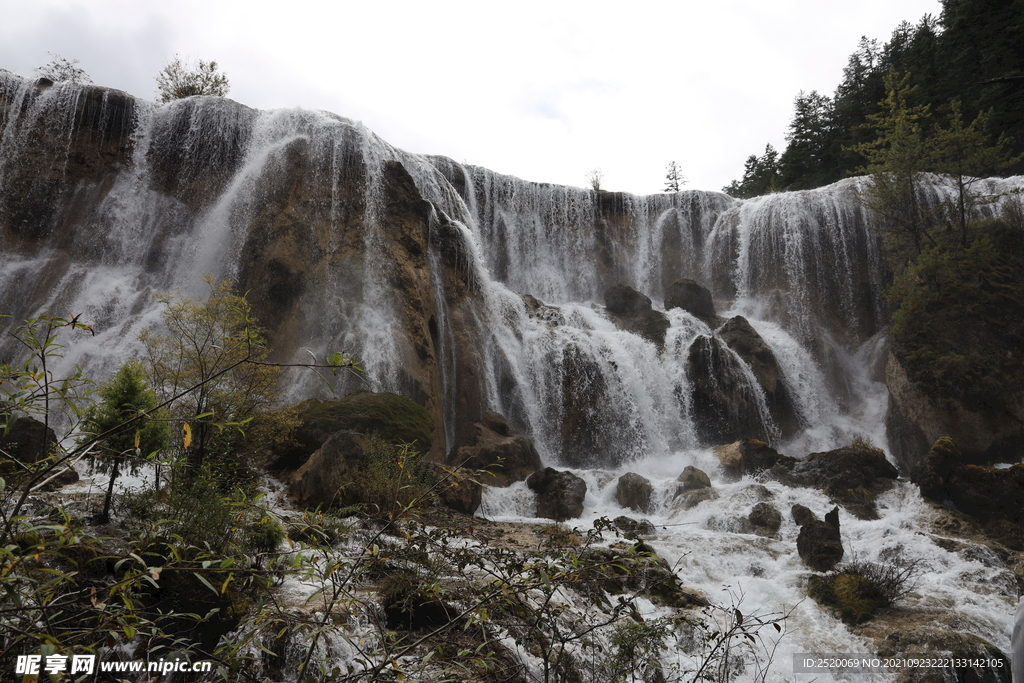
180,79
60,69
674,178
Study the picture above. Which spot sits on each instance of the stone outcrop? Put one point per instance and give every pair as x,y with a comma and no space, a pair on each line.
27,439
853,476
765,519
724,405
993,496
504,457
391,417
632,312
742,338
749,456
819,543
634,492
693,478
329,478
915,420
693,298
559,494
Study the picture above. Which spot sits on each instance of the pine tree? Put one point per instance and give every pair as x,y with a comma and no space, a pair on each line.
897,158
674,179
127,431
181,79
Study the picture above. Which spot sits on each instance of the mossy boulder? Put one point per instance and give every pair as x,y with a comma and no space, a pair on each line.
855,598
391,417
749,456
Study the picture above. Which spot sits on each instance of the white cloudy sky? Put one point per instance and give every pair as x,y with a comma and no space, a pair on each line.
543,90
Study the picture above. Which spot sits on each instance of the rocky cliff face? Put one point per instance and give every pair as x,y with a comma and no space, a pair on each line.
460,288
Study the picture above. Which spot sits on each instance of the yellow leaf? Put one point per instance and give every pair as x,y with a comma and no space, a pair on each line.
187,440
138,437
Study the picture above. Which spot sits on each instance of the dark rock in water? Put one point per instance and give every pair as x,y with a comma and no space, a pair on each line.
803,515
931,473
629,525
691,297
742,338
456,489
693,498
765,519
853,476
922,633
506,458
393,418
634,492
623,300
693,478
27,439
819,545
633,313
593,431
832,517
750,456
559,494
725,406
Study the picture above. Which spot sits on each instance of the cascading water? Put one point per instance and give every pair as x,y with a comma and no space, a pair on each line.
421,265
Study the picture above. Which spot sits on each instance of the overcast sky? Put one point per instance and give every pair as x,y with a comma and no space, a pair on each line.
542,90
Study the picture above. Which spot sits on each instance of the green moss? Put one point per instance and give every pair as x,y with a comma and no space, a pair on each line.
855,597
394,418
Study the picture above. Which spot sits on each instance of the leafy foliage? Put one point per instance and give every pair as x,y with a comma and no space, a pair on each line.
126,424
957,318
60,69
180,79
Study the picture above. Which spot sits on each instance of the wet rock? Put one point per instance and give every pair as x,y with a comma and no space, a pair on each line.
760,492
803,515
690,499
931,473
559,494
504,458
819,545
725,405
749,456
765,519
628,525
632,312
623,300
742,338
634,492
693,478
326,479
691,297
853,476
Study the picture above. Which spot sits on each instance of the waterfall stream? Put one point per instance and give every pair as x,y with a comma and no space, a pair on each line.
165,195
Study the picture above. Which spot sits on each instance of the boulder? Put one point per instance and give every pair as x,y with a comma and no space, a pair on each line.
505,458
559,494
765,519
742,338
819,545
749,456
456,489
622,300
803,515
328,477
394,418
853,476
628,525
632,312
27,439
693,478
691,297
725,405
634,492
691,499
